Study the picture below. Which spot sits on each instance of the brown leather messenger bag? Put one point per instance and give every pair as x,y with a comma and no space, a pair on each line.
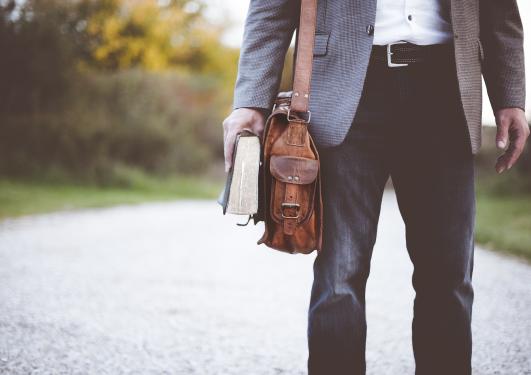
290,197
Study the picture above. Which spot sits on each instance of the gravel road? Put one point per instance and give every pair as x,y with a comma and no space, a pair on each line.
178,288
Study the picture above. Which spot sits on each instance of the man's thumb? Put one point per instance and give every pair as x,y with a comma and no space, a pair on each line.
228,154
502,134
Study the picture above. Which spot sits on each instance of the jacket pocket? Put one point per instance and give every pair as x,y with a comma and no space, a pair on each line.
320,46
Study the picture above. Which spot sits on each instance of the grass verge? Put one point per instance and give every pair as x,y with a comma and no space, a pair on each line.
28,197
503,223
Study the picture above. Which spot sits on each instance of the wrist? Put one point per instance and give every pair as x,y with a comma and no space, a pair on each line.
509,108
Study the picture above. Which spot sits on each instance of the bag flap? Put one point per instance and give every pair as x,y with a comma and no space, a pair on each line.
293,169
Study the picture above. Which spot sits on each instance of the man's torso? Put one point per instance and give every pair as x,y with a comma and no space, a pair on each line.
346,32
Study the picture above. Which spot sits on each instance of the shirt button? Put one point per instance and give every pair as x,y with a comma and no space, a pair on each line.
370,29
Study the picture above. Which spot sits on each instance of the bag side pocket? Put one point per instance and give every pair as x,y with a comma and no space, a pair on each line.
294,182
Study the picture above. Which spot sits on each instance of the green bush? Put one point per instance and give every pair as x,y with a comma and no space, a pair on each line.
70,113
161,123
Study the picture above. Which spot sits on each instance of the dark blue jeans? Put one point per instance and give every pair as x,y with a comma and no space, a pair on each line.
409,126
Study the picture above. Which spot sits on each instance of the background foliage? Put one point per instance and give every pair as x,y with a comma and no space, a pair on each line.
94,88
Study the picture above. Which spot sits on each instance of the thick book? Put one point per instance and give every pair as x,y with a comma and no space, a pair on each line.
240,193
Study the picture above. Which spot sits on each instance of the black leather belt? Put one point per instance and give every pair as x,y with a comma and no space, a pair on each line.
401,53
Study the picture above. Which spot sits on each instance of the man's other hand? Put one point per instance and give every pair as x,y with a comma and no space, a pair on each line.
240,119
511,136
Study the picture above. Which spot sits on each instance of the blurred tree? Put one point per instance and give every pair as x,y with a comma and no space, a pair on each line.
113,35
44,42
90,84
150,34
36,56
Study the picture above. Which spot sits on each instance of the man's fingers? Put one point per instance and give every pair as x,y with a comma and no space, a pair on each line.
513,152
502,134
501,163
516,147
240,119
512,134
228,143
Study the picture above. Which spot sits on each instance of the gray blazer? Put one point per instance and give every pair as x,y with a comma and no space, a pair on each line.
488,38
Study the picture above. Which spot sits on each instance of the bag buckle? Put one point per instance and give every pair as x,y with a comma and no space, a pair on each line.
289,205
306,119
390,63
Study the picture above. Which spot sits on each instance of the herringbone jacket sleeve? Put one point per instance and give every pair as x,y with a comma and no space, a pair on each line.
501,36
268,31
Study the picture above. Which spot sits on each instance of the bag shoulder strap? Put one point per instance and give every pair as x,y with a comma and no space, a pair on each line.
304,56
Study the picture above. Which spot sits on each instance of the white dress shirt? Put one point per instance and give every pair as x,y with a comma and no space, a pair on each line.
416,21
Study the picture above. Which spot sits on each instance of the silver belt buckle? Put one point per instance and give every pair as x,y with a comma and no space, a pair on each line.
389,54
